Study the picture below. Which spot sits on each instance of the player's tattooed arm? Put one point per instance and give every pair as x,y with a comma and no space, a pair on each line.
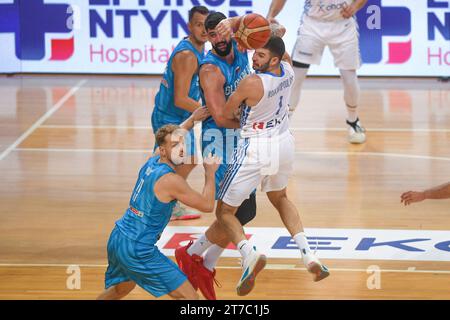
184,67
349,11
249,92
212,82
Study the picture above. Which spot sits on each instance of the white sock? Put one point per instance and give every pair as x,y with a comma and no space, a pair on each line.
199,246
212,256
352,115
300,76
302,243
245,248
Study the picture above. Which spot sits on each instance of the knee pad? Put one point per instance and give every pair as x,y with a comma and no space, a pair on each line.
247,210
300,65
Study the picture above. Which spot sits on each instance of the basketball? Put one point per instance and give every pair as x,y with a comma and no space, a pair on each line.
253,32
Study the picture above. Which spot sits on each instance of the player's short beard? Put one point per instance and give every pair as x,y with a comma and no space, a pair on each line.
223,53
262,68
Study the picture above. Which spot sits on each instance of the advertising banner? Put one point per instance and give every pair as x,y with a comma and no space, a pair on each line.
397,37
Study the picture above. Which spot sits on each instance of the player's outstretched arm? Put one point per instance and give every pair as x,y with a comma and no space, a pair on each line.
212,81
249,91
184,67
275,8
178,189
439,192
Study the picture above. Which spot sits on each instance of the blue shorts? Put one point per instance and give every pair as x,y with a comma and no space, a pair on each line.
221,145
129,260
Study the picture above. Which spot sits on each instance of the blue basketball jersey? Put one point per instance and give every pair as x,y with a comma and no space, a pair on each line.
233,74
164,100
146,217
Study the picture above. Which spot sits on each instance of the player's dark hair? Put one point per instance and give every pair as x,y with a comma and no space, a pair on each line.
213,19
200,9
276,46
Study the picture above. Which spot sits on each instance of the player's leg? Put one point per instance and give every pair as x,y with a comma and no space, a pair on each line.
344,46
291,219
252,261
184,292
157,274
204,266
118,291
308,49
240,181
356,132
300,71
117,282
275,186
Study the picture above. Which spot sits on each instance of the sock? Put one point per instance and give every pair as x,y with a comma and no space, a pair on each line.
302,243
300,76
245,248
212,256
352,115
199,246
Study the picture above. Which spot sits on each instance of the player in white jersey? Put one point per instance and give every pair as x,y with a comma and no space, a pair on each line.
263,157
329,23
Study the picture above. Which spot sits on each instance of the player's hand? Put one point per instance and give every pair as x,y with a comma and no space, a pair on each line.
412,196
225,28
211,163
349,11
277,29
200,114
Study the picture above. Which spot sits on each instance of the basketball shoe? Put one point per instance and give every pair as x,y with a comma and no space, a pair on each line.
251,266
356,133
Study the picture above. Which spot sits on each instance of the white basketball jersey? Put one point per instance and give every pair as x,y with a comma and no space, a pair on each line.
325,9
270,116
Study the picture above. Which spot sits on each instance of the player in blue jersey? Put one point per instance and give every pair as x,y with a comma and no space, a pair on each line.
133,257
220,73
179,91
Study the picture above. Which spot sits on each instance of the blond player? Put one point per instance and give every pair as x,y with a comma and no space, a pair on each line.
329,23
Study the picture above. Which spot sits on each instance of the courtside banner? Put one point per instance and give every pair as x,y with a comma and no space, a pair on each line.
354,244
397,37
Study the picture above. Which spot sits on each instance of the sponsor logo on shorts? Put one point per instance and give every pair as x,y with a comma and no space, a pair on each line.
136,212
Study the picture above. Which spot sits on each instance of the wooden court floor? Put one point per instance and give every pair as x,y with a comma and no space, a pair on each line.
71,147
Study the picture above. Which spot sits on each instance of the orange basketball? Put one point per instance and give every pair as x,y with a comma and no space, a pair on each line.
253,32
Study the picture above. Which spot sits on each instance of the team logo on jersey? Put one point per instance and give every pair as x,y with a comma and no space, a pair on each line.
30,21
375,24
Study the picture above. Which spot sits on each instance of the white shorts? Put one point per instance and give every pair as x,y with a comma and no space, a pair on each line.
341,36
256,161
